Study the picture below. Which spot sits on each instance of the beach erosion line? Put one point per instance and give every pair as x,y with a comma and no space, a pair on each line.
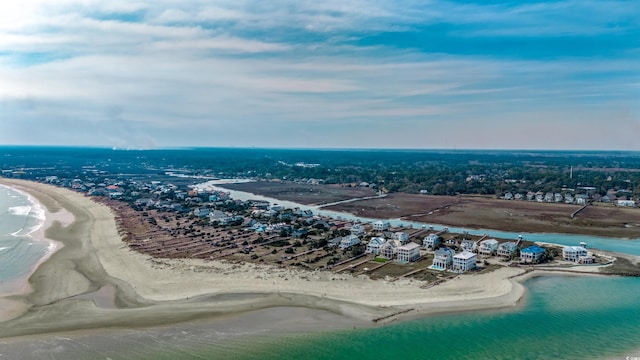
149,292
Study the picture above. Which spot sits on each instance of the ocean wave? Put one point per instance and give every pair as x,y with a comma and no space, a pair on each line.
3,248
17,233
20,210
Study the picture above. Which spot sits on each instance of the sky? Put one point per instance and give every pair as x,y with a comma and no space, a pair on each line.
321,74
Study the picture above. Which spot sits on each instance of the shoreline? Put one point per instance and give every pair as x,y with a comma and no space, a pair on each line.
9,308
151,292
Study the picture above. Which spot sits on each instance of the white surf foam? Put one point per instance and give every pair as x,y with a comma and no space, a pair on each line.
20,210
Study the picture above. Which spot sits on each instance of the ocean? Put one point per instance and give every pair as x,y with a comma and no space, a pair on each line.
20,216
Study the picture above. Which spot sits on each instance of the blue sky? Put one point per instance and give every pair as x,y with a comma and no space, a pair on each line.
365,74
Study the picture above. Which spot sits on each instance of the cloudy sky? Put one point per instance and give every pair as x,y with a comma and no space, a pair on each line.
331,73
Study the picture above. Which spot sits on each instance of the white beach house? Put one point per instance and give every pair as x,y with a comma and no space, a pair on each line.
374,245
488,247
348,241
408,252
507,249
574,253
390,249
430,241
464,261
381,225
443,258
531,254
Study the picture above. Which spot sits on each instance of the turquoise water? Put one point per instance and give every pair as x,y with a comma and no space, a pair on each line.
564,318
19,253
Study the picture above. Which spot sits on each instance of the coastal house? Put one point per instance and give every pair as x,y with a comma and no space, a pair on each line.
381,225
488,247
508,196
626,203
357,230
443,258
408,252
557,197
573,253
468,245
548,197
568,198
217,215
300,233
581,199
507,249
531,254
403,237
464,261
201,212
452,241
390,249
374,245
145,202
430,241
349,241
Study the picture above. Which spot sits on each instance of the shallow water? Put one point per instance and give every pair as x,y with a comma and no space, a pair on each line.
20,216
564,318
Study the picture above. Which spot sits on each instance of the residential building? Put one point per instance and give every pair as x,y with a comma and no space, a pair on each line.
201,212
568,198
443,259
381,225
626,203
408,252
507,249
573,253
374,245
452,241
531,254
349,241
357,230
464,261
488,247
390,249
468,245
401,236
430,241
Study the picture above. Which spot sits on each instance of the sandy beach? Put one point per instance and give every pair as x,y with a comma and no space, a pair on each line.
98,279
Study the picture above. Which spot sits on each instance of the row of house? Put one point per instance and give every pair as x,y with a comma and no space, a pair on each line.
394,249
446,259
